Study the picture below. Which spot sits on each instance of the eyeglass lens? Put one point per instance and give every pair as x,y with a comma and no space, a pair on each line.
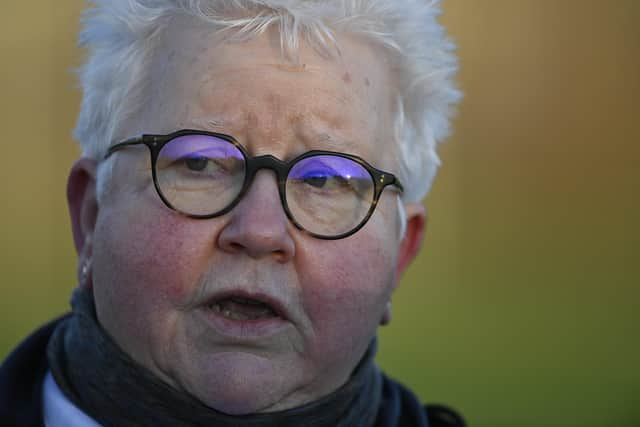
325,194
329,195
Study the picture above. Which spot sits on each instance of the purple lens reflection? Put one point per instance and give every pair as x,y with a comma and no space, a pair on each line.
328,166
196,146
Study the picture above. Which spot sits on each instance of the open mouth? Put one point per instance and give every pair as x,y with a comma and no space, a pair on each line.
243,309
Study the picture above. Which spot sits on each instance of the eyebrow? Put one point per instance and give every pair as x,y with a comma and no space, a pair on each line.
330,142
310,135
208,122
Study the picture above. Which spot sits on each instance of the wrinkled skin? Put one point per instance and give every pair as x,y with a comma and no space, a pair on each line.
152,269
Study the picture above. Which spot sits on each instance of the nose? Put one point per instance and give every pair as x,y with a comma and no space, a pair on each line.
258,225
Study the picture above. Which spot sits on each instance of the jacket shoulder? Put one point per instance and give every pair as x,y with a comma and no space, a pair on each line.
21,377
401,407
443,416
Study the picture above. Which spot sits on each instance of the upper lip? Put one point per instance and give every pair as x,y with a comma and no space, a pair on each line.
273,302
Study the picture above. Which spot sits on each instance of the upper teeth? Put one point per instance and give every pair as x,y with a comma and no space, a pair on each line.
257,310
228,313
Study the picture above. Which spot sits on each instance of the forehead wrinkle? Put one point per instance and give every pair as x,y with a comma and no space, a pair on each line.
210,122
326,141
222,69
237,66
316,136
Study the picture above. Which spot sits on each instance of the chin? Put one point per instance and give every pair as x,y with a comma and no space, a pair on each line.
237,402
238,383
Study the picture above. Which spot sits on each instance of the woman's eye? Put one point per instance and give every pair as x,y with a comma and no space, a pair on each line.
196,163
316,181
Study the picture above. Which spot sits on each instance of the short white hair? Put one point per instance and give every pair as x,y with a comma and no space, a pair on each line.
121,36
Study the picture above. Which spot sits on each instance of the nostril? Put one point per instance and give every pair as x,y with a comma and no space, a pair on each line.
280,255
234,247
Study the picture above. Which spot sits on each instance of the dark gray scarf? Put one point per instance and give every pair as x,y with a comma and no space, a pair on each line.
103,381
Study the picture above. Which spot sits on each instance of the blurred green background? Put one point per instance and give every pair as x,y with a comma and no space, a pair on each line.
522,309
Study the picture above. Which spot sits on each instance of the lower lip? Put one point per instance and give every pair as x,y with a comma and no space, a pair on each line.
244,329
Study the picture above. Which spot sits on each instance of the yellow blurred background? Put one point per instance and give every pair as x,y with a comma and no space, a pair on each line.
522,309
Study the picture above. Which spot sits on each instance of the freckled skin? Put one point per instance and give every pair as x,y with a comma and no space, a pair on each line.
151,264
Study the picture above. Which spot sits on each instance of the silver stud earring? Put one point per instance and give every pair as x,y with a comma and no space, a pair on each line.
84,271
386,317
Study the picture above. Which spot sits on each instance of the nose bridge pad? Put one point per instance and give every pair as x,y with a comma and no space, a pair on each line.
279,169
279,186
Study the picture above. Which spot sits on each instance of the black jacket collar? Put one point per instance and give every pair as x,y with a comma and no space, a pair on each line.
21,377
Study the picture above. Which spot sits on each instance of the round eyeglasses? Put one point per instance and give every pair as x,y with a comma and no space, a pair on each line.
329,195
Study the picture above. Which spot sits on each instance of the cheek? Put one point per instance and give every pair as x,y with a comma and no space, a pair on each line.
348,294
147,261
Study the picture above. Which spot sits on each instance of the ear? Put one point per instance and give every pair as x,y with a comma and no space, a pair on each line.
412,240
416,217
83,210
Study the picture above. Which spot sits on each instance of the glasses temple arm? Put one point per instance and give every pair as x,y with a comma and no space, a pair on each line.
127,142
